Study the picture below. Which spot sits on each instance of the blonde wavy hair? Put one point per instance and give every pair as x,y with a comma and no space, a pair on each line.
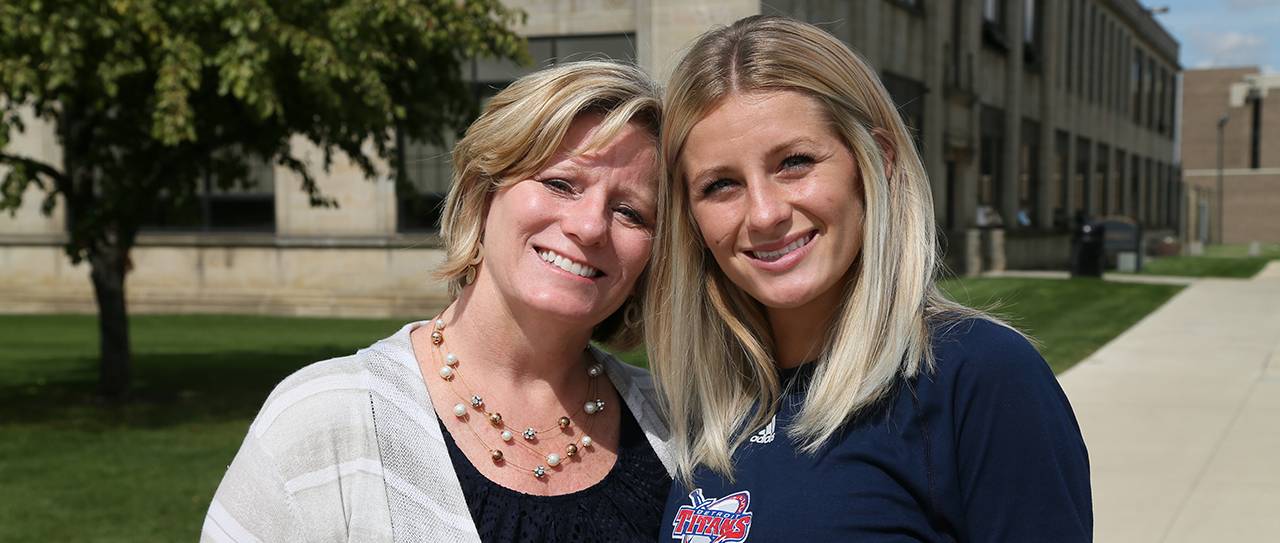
710,345
517,134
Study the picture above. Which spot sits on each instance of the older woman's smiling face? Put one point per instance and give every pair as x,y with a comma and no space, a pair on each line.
570,241
776,194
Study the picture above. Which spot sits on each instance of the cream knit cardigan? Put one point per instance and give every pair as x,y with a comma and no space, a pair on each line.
349,449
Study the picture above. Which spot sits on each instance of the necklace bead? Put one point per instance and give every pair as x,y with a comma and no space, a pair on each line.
439,324
496,455
476,401
590,408
446,373
459,410
451,359
506,435
563,422
595,370
530,434
539,472
437,338
495,419
570,450
586,441
553,459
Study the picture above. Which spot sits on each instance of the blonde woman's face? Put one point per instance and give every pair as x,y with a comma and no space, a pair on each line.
569,242
775,193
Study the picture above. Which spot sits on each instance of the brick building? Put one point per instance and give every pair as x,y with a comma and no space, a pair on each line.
1249,102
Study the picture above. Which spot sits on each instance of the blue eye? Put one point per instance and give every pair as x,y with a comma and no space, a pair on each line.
717,185
632,216
797,160
558,185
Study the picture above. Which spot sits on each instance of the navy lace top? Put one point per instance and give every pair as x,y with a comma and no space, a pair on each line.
624,506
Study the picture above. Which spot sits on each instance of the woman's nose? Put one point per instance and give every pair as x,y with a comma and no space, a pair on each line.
767,209
586,220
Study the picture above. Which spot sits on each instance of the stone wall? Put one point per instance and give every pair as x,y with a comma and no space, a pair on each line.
272,279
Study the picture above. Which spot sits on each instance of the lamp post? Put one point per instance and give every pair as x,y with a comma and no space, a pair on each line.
1222,124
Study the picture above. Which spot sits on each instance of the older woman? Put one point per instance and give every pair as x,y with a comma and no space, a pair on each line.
495,420
821,387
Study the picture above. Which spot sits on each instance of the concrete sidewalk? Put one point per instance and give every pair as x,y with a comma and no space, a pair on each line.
1181,415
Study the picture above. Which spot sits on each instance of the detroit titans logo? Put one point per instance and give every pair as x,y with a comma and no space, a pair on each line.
714,520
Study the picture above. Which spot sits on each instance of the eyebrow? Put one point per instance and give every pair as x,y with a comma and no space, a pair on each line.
774,150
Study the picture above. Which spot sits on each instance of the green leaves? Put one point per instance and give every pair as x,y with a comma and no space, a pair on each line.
149,96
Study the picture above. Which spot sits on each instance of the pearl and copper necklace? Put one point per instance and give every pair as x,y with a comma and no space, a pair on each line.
449,372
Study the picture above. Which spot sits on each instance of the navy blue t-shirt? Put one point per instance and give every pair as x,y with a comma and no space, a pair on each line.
983,448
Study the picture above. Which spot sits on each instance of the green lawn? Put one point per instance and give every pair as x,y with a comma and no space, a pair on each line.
1205,266
75,470
1231,261
1068,318
1238,250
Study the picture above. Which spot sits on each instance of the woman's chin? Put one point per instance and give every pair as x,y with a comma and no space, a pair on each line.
567,310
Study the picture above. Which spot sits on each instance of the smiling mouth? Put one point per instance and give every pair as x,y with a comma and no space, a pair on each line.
560,261
771,256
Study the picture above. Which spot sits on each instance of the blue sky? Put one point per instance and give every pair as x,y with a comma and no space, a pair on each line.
1224,32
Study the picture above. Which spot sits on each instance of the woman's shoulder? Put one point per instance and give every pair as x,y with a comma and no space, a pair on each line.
985,349
331,395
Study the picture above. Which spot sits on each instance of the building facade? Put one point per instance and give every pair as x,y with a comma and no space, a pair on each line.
1031,115
1232,113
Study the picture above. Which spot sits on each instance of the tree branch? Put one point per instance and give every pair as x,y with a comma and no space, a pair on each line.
37,166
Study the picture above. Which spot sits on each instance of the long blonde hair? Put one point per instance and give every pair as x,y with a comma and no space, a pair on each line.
710,344
517,134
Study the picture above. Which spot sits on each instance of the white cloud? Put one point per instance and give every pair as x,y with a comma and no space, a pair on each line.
1229,48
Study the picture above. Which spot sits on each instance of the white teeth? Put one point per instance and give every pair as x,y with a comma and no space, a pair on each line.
582,270
770,256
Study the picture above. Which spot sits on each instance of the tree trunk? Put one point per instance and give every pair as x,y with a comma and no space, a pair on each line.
108,266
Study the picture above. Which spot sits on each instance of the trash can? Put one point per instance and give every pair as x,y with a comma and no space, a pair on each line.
1087,255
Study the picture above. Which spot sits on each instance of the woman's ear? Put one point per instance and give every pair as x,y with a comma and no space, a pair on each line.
888,152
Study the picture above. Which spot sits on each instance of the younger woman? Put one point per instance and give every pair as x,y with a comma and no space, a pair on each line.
820,386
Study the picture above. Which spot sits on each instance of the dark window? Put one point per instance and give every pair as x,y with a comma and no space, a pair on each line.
430,168
1134,187
993,12
1071,45
1102,165
1031,32
1159,97
1028,212
993,24
223,206
1104,59
1121,162
908,95
1087,55
1161,211
1173,103
913,6
1062,144
1135,87
990,182
1148,191
1255,133
1148,94
1100,48
1080,184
